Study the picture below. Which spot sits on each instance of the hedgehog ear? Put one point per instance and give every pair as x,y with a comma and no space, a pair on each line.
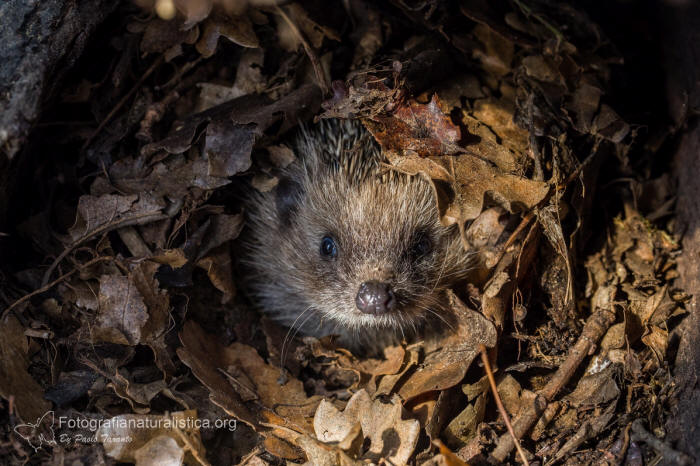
287,199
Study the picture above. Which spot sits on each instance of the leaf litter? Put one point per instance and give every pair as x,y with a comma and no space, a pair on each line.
128,308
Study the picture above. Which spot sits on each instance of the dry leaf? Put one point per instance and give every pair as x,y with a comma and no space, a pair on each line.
445,367
15,381
149,434
375,419
237,29
237,368
99,214
414,128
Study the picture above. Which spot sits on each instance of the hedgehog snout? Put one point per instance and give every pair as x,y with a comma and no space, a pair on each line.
375,297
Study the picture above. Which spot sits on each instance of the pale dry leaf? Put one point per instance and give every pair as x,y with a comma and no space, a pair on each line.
390,436
320,454
162,450
96,211
142,429
122,312
498,116
332,425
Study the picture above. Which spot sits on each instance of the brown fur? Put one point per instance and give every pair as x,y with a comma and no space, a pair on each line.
337,188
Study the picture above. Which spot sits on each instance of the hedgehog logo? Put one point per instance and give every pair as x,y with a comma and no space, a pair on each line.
40,433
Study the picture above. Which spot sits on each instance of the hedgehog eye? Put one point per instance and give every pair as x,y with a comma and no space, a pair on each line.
422,245
328,247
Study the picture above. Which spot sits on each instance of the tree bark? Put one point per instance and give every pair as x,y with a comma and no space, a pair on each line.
40,41
682,46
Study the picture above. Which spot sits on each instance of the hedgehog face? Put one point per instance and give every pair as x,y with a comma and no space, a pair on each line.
355,255
372,250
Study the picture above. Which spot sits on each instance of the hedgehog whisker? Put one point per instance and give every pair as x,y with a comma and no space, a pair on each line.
287,339
442,270
439,317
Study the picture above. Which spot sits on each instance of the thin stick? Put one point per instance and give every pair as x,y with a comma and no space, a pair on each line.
128,221
315,62
558,188
596,326
122,102
499,403
640,434
48,286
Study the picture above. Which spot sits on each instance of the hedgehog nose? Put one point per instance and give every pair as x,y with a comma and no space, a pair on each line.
375,297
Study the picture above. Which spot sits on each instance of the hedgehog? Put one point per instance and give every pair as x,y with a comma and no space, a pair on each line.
343,246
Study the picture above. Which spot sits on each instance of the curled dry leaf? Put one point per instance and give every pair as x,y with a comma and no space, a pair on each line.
391,364
218,268
414,128
446,363
138,395
390,437
237,29
422,367
175,258
632,262
194,11
387,383
365,98
221,229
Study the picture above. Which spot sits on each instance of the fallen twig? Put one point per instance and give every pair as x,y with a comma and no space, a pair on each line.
499,403
134,220
310,52
596,326
122,102
640,434
48,286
